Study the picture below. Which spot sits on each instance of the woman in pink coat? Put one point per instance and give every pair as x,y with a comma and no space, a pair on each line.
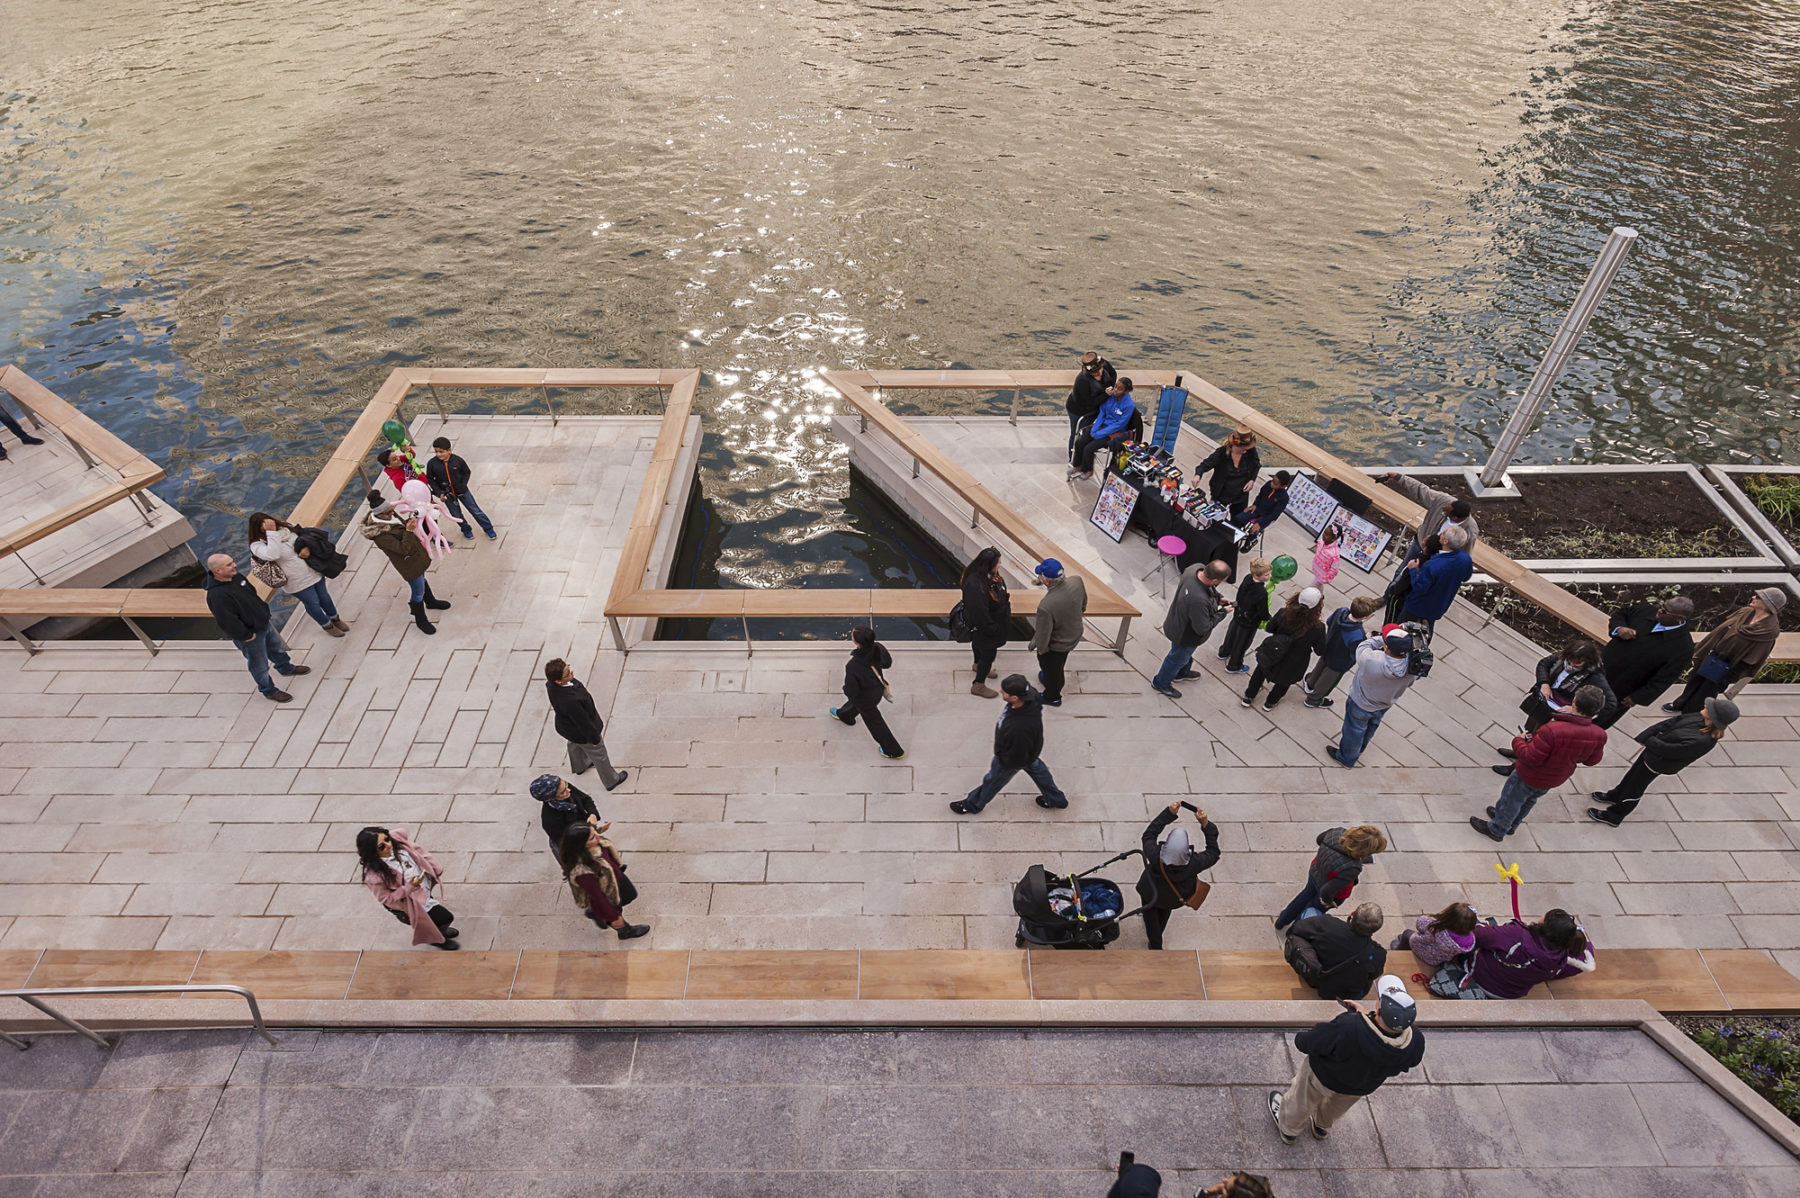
401,875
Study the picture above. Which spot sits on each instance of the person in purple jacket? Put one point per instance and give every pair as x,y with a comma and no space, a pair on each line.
1439,939
1509,959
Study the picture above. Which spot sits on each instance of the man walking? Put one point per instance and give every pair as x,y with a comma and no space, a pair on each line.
1058,627
1018,744
578,722
1436,581
1091,385
1649,648
1194,612
1382,676
243,615
1545,760
1347,1059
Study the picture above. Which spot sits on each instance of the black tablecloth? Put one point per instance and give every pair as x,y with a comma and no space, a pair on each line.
1159,518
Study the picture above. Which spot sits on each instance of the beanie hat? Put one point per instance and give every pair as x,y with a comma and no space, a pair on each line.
544,787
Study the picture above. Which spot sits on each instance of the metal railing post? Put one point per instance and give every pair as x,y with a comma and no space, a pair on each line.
1014,418
141,635
618,635
31,996
18,634
749,645
550,406
432,387
66,1021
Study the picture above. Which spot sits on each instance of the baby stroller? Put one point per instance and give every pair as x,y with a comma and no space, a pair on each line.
1069,910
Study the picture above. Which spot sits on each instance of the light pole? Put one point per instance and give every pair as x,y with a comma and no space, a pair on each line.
1493,481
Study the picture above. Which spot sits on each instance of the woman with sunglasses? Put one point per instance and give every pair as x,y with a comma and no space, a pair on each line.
401,875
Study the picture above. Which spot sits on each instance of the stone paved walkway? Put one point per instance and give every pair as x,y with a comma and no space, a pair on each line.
996,1113
159,803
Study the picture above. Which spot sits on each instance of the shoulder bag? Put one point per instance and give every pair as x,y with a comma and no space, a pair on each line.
1202,888
267,573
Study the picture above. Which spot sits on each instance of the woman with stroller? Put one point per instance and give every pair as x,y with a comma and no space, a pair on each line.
1172,869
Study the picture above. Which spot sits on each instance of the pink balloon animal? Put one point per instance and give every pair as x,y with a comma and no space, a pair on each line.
416,500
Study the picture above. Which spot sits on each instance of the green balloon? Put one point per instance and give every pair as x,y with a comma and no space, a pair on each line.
395,432
1283,568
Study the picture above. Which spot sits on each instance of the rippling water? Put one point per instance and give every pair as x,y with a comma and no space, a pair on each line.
221,225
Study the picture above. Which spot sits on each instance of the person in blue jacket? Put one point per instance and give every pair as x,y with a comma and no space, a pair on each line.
1107,430
1435,583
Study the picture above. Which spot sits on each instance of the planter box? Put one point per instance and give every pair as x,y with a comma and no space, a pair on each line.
1759,555
1727,479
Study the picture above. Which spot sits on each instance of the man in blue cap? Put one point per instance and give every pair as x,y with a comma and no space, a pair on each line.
1057,629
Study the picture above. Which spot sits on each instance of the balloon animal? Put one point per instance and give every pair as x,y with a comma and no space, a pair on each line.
416,500
395,432
1511,874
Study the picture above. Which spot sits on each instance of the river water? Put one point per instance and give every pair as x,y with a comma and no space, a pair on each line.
221,225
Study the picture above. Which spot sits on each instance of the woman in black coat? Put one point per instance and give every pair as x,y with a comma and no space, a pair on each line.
1172,869
864,688
1669,748
578,722
1234,466
987,607
1559,676
1295,633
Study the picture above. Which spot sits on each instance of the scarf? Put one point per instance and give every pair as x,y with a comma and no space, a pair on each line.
1744,638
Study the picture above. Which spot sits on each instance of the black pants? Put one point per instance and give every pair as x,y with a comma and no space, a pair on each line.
1257,678
1052,665
1625,794
1156,919
1699,690
1088,446
985,652
1236,644
1075,419
440,915
873,721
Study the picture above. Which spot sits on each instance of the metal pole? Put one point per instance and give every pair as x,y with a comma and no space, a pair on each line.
71,1024
1014,418
1606,268
440,403
551,406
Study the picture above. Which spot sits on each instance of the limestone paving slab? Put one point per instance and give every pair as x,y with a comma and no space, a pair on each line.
773,827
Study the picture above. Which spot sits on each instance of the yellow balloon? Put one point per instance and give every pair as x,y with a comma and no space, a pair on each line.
1506,872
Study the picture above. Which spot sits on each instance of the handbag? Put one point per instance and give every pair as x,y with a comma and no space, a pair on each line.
960,631
268,573
1715,668
1202,888
887,692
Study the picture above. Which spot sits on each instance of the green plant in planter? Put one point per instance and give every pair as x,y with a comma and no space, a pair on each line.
1778,495
1765,1059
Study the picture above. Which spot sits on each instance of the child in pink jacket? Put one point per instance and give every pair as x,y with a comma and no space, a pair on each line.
1325,557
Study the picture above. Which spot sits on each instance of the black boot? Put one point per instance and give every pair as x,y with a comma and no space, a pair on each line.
432,601
632,931
418,611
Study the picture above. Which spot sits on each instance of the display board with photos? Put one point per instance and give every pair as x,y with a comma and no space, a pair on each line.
1112,510
1359,542
1309,505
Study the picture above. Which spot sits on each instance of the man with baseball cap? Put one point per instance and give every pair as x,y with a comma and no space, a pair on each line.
1669,747
1347,1059
1018,743
1381,678
1057,629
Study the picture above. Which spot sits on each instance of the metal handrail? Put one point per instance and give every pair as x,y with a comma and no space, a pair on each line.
32,997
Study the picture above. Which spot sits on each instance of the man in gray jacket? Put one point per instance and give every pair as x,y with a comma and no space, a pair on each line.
1057,629
1194,612
1381,678
1441,508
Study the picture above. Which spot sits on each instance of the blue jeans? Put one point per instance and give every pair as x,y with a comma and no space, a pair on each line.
317,602
1359,730
1516,801
1180,658
418,590
1305,903
259,651
999,775
451,505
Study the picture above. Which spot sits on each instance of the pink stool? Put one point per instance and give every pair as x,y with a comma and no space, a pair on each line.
1169,548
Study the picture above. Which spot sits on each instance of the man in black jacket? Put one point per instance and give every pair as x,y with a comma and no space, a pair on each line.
1018,743
243,615
1669,747
1097,375
578,722
448,476
1348,1059
1338,958
1650,647
1172,869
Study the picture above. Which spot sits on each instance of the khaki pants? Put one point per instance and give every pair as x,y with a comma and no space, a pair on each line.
1307,1099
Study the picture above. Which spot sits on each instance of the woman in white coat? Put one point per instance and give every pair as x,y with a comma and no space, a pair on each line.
273,541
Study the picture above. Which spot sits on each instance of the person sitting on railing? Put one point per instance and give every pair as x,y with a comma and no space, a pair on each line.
18,429
1107,430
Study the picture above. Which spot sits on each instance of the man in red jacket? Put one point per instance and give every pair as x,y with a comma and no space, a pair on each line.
1545,760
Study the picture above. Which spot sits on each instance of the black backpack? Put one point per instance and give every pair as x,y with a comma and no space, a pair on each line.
321,552
960,631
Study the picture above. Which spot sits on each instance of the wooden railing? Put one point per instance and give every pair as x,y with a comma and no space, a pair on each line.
93,444
632,599
19,609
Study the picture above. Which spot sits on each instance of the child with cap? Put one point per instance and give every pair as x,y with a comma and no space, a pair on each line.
1669,748
1296,632
1058,627
448,476
1348,1059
